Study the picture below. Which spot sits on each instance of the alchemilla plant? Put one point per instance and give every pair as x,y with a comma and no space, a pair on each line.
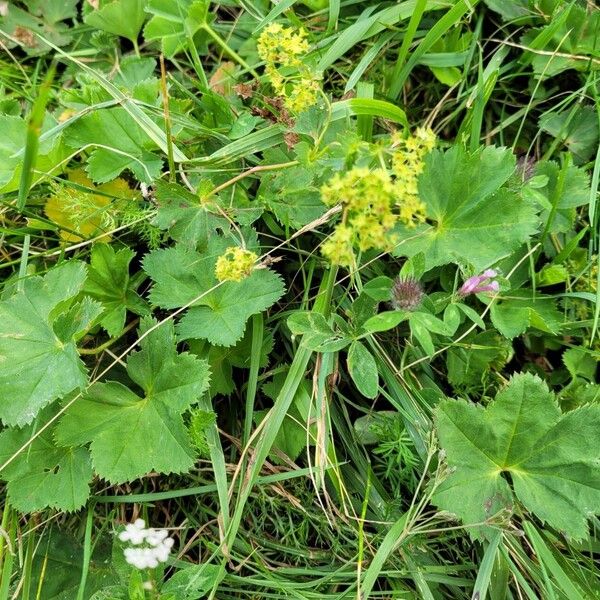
299,299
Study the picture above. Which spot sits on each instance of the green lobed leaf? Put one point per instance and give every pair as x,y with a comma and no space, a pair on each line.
293,196
43,17
182,275
201,422
182,213
317,334
568,41
580,362
39,364
578,130
131,435
72,324
222,359
14,131
123,144
476,219
45,474
108,282
551,458
469,362
513,9
193,581
119,17
557,191
57,564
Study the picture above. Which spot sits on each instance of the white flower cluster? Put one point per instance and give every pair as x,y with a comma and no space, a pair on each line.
153,545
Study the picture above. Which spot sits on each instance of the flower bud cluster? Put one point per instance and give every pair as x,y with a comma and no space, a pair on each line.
150,546
235,264
375,200
407,165
283,49
407,293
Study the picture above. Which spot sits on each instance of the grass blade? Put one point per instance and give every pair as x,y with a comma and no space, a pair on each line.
32,142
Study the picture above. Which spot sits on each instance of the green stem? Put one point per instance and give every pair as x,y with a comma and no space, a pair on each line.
275,417
4,527
409,36
7,567
34,128
87,552
229,51
167,116
24,260
217,459
361,532
108,343
257,342
30,550
203,80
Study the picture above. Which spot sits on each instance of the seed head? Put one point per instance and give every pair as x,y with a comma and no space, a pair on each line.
406,294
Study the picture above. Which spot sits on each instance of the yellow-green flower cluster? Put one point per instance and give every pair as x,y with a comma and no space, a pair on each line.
283,45
367,198
235,264
375,200
283,48
407,165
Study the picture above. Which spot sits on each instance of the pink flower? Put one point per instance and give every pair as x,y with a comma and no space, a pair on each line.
480,283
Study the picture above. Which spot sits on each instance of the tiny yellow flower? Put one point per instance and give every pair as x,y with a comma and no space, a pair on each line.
375,200
235,264
303,95
338,248
285,48
278,44
426,137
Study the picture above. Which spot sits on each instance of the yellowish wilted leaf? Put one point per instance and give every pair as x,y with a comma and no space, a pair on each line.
82,214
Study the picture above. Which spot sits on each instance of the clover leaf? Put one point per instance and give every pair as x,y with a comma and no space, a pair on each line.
131,435
474,218
523,309
39,357
45,474
522,446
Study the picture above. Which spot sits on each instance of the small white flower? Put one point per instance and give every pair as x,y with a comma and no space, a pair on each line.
156,536
156,549
134,533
